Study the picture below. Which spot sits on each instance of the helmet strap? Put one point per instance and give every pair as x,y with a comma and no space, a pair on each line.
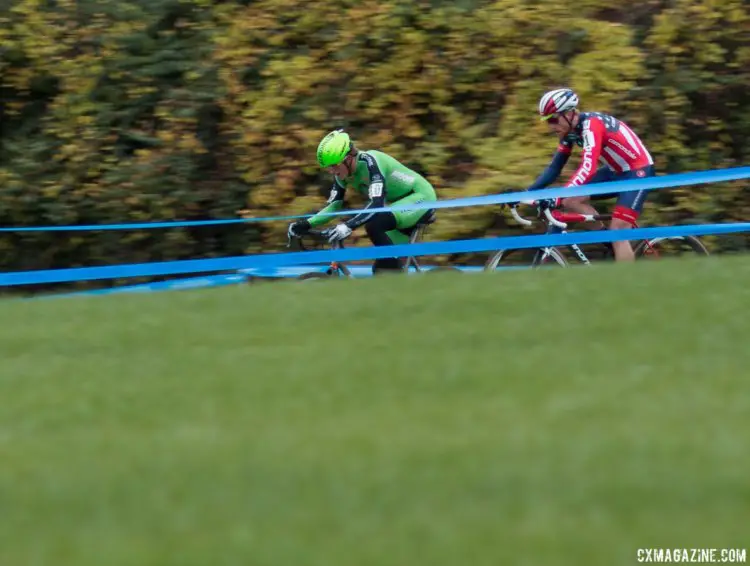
570,123
349,168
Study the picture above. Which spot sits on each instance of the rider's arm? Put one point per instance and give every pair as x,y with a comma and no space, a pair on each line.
593,140
376,192
554,169
335,202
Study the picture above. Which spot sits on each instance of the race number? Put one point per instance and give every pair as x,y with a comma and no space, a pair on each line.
376,190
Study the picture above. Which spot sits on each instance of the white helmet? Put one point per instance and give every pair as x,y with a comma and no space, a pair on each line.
558,100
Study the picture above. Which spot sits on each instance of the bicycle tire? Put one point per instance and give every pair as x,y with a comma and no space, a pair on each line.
314,275
442,268
645,247
557,258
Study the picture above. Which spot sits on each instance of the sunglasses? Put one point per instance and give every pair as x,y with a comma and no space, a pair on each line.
551,119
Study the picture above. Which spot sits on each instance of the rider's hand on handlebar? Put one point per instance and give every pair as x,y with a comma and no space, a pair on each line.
544,204
338,232
297,229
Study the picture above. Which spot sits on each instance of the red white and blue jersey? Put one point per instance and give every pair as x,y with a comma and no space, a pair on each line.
605,140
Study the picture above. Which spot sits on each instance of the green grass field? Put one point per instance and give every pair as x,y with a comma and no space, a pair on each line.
528,418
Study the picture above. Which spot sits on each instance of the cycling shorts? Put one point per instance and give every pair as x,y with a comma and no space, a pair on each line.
629,204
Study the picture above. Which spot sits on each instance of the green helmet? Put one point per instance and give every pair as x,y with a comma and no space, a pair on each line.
333,148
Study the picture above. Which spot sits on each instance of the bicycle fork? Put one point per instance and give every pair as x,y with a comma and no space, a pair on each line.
578,251
546,252
580,254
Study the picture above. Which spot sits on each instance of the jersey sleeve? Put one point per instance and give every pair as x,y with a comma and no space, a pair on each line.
335,202
376,191
593,135
554,169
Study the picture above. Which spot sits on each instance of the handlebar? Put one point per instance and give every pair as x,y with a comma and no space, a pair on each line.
520,219
526,222
316,234
552,220
320,236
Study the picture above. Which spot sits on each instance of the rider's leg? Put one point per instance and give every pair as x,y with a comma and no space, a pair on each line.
582,204
408,219
627,209
379,230
623,250
397,232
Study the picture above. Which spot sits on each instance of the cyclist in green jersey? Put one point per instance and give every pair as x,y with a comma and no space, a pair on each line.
384,180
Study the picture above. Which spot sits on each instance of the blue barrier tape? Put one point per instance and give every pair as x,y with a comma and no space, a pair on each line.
174,285
210,281
145,225
649,183
355,270
353,254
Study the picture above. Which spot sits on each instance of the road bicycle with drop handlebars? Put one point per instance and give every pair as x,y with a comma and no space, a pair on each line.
340,269
652,248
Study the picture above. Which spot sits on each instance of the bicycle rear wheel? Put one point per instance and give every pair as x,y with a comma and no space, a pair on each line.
442,269
674,246
315,276
526,258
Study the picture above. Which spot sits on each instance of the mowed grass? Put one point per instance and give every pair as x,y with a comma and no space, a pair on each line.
552,417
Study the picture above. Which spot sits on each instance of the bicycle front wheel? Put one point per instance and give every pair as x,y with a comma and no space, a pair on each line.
673,246
526,258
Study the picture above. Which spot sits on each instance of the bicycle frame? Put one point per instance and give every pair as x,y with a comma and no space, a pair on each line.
560,220
341,268
335,267
557,221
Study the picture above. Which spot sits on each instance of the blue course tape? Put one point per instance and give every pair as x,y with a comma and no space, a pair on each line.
648,183
149,225
356,270
177,284
353,254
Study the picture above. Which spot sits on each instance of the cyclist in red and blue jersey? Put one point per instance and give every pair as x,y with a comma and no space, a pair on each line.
611,152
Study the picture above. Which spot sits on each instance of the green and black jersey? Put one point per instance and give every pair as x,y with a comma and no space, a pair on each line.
383,179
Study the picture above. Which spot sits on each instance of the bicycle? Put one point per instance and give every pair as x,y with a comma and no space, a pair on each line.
648,248
340,269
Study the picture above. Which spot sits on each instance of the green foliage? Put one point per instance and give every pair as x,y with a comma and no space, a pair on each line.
169,109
